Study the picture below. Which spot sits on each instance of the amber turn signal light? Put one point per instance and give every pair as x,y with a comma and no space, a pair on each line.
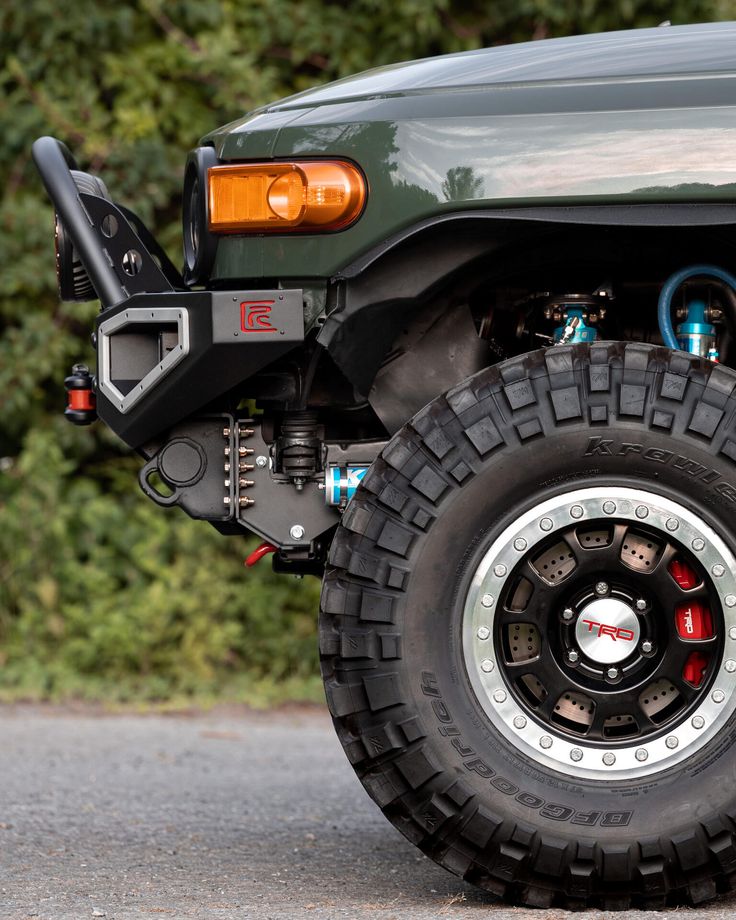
310,195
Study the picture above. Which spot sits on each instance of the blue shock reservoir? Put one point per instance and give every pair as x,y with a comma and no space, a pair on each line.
695,334
341,483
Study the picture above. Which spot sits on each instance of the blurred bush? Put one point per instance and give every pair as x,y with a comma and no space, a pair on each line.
102,594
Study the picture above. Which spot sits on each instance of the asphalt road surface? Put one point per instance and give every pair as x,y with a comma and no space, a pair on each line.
226,815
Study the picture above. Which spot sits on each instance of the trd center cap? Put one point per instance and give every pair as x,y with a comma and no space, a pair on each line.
607,630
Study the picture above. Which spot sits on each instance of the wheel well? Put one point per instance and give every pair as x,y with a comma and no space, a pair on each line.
431,308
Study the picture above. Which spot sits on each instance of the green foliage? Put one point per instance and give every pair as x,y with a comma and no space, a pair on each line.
101,593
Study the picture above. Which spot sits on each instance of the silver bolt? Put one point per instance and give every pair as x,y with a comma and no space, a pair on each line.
546,524
641,604
486,665
672,524
671,742
568,613
730,601
545,742
697,721
609,507
732,632
520,544
246,502
601,588
609,759
698,544
641,755
227,467
730,665
572,656
261,460
718,696
499,696
226,500
483,632
642,511
487,600
227,451
576,754
519,722
612,673
227,483
718,570
226,432
296,532
576,511
646,646
500,570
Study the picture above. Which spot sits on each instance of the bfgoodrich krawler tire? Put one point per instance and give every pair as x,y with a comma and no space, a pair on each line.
528,628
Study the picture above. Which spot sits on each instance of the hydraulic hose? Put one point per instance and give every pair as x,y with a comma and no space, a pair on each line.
664,307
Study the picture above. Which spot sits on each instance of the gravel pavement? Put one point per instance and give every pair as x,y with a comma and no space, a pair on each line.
223,815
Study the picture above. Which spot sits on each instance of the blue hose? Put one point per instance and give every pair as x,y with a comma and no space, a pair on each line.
664,307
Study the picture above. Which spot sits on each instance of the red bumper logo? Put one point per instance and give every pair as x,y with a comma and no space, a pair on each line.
255,316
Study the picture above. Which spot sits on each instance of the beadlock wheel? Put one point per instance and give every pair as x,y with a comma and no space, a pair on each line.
528,628
634,596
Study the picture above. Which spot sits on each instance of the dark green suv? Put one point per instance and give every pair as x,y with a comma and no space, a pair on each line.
457,336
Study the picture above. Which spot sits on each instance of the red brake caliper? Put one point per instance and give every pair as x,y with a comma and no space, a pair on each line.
693,621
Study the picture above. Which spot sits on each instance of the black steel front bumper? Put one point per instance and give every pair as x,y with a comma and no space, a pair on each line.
163,352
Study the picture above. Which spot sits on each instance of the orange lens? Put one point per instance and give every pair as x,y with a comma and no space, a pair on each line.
308,195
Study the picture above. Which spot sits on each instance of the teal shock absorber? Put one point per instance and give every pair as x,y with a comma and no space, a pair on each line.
575,329
696,335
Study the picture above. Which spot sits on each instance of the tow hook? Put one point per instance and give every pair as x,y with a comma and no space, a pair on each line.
81,408
263,550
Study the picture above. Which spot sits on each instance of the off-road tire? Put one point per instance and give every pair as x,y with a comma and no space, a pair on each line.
396,683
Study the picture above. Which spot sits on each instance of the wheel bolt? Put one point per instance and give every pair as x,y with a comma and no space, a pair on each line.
730,666
568,613
486,665
641,604
718,570
609,507
698,544
646,646
672,742
499,571
487,600
545,742
609,759
601,588
576,511
718,696
483,632
572,656
500,696
519,722
576,754
672,524
612,673
520,544
697,722
642,511
546,524
641,755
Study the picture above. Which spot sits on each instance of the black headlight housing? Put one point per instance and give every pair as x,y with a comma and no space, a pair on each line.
200,246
